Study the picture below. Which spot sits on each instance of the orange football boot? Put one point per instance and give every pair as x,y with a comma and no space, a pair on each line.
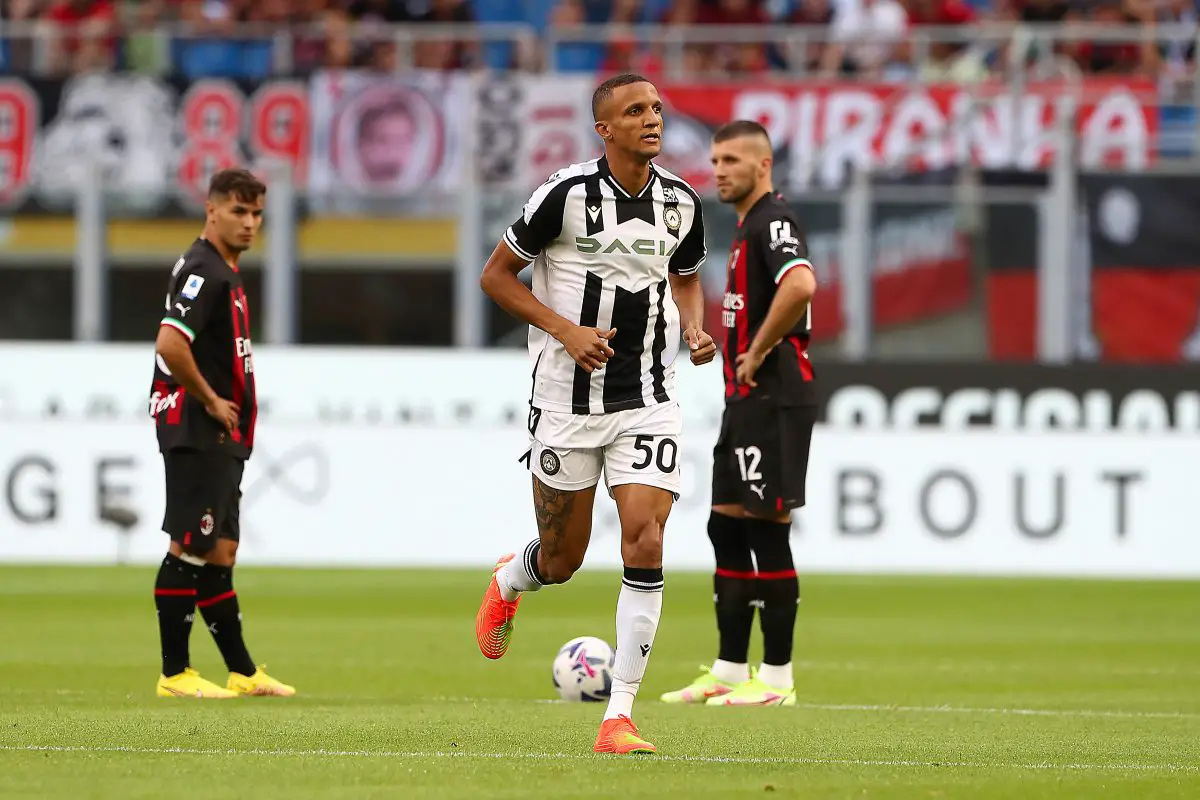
620,736
493,623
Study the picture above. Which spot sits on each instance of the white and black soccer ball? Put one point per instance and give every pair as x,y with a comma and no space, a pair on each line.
583,670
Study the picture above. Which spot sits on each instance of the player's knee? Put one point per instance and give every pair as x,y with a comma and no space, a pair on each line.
223,554
772,545
731,546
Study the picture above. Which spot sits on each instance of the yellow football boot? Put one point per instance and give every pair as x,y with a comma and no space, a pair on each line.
260,684
189,684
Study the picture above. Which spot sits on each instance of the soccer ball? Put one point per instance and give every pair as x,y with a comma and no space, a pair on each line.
583,670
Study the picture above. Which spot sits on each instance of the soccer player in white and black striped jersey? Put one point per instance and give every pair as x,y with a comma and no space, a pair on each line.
616,246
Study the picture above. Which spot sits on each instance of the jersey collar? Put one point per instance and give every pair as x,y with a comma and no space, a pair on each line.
764,200
607,175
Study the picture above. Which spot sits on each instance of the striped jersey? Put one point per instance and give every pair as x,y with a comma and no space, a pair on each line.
601,258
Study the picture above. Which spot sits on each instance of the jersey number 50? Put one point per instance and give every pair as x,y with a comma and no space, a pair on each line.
665,458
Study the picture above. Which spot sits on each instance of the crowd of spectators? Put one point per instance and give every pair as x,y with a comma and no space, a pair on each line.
866,38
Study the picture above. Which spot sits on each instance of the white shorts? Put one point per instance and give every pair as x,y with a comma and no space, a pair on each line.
640,445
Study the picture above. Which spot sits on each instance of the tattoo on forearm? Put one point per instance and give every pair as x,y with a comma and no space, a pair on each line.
553,509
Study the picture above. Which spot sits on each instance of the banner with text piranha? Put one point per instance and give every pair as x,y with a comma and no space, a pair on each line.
819,130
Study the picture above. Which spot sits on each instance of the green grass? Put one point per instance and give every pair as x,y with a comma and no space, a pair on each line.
915,687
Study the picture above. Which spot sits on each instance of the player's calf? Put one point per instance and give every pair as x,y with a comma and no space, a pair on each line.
175,600
779,590
218,602
735,589
643,511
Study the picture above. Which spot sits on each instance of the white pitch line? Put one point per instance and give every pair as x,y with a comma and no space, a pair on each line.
575,757
1016,712
886,709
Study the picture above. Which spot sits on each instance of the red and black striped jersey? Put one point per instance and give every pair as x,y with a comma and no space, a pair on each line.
769,244
206,302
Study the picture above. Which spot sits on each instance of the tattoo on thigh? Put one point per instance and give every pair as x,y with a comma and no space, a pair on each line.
553,509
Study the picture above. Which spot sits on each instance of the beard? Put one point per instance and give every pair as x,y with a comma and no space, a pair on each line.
738,193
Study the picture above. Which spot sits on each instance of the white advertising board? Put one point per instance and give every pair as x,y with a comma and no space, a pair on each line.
397,458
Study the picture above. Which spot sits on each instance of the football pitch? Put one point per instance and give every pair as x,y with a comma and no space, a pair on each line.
908,687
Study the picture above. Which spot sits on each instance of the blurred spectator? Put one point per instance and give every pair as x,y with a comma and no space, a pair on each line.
625,52
865,38
810,15
1035,12
311,39
735,56
215,43
697,60
959,59
569,55
1177,60
378,10
338,51
83,35
1119,57
441,53
144,50
265,12
23,9
17,52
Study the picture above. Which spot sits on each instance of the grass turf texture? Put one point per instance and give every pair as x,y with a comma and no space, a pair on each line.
914,687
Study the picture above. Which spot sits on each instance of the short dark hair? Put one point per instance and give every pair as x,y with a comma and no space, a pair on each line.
236,182
739,128
605,90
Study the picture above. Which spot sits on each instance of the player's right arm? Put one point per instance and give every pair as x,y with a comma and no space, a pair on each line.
539,225
189,308
588,346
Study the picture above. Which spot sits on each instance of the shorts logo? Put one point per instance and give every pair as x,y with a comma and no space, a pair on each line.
207,524
550,463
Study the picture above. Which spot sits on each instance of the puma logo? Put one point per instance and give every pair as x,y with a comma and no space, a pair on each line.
645,650
759,489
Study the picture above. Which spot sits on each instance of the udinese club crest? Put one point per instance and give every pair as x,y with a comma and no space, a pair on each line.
672,219
550,463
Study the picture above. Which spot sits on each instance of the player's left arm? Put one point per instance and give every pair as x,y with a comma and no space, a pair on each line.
785,255
684,273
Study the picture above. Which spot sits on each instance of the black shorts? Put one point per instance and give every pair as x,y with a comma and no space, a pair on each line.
761,458
204,493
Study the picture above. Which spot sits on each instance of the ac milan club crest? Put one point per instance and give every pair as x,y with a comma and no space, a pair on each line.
207,524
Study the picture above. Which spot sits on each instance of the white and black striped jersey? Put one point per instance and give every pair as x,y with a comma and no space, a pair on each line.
601,258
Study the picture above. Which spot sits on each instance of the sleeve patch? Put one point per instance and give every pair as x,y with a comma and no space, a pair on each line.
191,289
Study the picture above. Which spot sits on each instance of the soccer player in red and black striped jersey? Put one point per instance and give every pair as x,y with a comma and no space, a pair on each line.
204,406
760,461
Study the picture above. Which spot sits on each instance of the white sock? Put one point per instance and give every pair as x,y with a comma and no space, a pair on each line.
777,676
520,574
730,672
638,608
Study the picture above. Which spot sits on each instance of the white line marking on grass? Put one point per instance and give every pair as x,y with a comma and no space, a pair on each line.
1016,712
575,757
887,709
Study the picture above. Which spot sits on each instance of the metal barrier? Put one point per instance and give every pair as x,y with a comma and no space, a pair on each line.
1029,41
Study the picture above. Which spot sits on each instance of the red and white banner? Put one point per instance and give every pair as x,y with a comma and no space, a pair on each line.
362,134
819,130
